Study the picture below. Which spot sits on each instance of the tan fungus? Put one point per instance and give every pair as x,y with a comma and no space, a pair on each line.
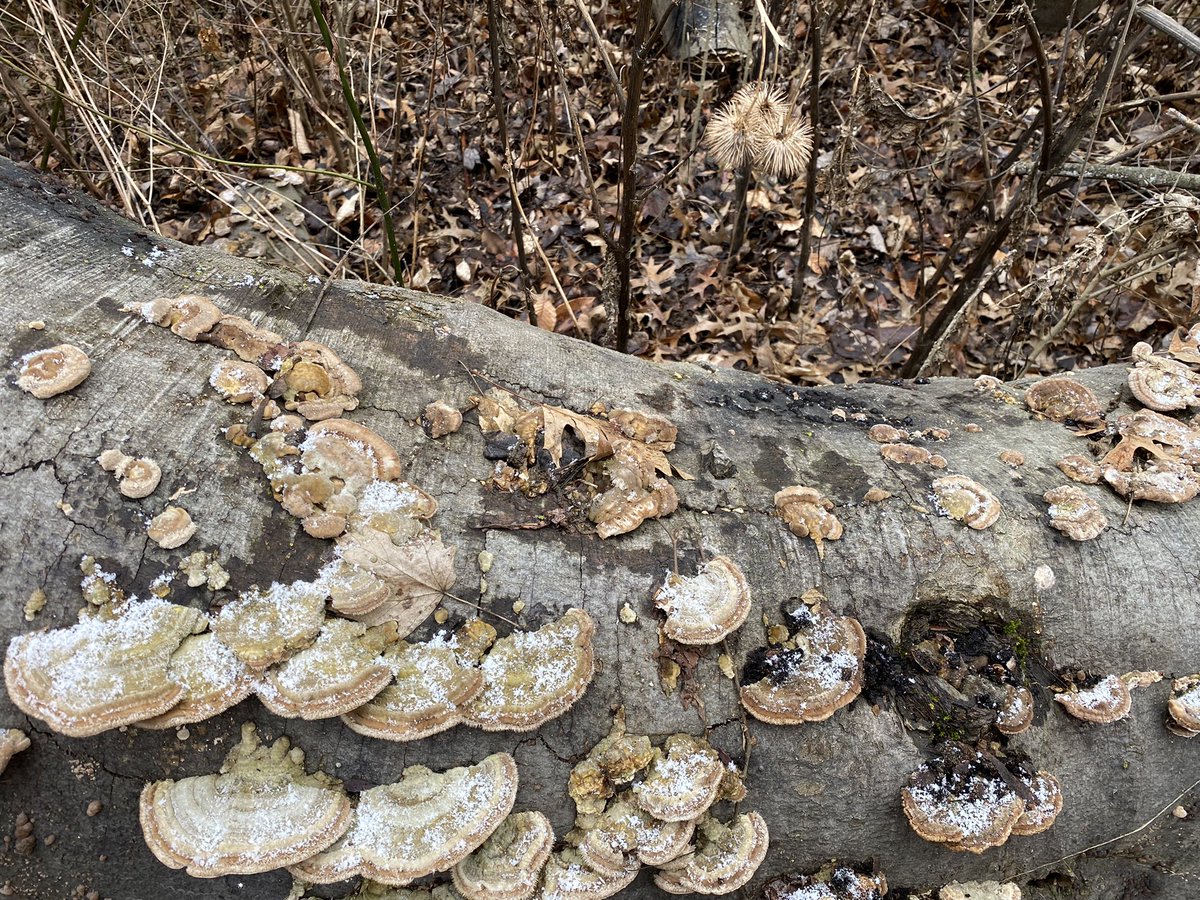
568,877
261,812
426,822
440,419
1159,481
267,626
315,382
706,607
883,433
237,381
1014,458
906,454
188,315
171,528
508,865
1081,468
1162,384
833,882
1016,712
683,782
969,809
47,373
1064,400
136,477
213,680
1108,700
251,343
1074,513
1043,809
966,501
808,514
725,858
1184,706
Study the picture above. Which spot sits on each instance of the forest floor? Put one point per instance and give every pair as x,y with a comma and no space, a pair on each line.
224,124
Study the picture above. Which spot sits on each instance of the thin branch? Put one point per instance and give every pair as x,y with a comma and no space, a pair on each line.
810,187
57,109
1160,21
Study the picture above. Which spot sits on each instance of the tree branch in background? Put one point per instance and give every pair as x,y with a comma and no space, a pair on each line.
810,187
385,202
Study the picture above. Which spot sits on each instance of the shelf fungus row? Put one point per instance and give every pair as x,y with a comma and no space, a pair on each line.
616,459
813,669
640,804
963,801
262,812
153,663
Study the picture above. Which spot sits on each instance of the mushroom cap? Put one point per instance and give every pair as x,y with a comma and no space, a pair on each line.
1106,701
531,677
340,671
706,607
45,373
1161,481
238,381
1063,400
967,501
568,877
1016,713
426,822
353,591
213,680
683,783
265,627
1184,705
347,450
726,857
171,528
263,812
244,338
808,514
12,742
1164,431
972,810
440,419
1041,812
821,676
188,315
1074,513
508,865
391,506
431,684
108,670
627,504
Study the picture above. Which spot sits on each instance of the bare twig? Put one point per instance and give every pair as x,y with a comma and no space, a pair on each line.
1160,21
810,187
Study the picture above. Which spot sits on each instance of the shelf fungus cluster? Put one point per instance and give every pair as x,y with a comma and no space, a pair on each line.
812,668
808,514
896,446
964,801
1101,699
1065,400
706,607
611,463
640,804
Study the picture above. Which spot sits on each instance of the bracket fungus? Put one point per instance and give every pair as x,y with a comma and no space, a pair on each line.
706,607
110,669
625,830
171,528
508,865
188,315
312,380
265,627
807,514
530,677
567,876
683,782
251,343
261,812
12,742
832,882
1099,700
137,477
1042,806
823,673
339,672
213,680
1016,710
440,419
1183,708
966,501
905,454
726,856
411,576
432,682
960,800
1162,384
1064,400
426,822
47,373
882,433
1074,513
1079,468
238,381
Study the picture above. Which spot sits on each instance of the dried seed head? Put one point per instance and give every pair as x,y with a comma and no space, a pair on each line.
785,153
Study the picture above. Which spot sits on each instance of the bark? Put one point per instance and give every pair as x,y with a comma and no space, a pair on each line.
1128,600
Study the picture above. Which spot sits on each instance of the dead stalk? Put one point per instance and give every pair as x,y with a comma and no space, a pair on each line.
810,187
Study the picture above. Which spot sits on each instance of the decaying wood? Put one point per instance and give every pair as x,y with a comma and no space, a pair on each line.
1129,600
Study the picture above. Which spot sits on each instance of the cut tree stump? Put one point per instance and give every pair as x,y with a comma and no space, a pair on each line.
1129,600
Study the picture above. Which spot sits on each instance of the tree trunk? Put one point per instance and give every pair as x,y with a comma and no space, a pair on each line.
1129,600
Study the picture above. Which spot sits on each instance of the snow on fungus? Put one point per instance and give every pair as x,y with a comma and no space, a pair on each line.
615,760
625,831
1106,700
1044,805
966,501
110,669
531,677
440,419
417,572
238,381
431,684
568,877
46,373
1016,710
137,477
1074,513
171,528
12,742
1183,708
960,801
339,672
683,782
426,822
1064,400
706,607
809,683
213,680
1159,481
726,856
508,865
261,812
807,514
1162,384
267,626
834,881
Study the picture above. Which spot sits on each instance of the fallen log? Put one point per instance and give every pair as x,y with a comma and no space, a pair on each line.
1126,601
